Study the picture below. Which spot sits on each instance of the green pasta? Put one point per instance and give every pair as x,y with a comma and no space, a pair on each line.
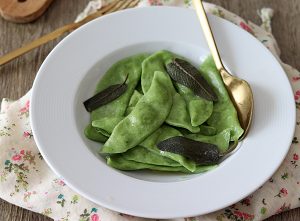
116,75
224,114
148,115
106,125
207,130
136,96
221,140
91,133
198,108
154,109
119,162
142,155
178,116
163,133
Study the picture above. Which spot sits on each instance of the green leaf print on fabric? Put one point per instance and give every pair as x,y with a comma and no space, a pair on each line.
218,12
283,192
40,156
19,170
28,134
295,159
188,3
27,156
87,216
6,128
283,208
66,218
295,140
234,215
47,212
263,201
298,105
190,219
8,100
245,202
75,199
28,195
285,176
263,211
62,202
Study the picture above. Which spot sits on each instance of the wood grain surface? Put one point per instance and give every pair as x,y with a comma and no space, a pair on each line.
17,76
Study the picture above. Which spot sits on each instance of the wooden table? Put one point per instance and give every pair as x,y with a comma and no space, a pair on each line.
16,77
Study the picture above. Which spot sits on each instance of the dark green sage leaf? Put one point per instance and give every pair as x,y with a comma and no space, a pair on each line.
105,96
199,152
187,75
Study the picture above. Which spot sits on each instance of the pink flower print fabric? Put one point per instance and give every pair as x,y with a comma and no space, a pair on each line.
25,110
16,158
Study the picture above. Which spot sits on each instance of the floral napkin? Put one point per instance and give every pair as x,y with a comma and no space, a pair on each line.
27,181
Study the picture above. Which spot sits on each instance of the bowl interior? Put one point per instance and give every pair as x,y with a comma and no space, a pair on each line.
90,80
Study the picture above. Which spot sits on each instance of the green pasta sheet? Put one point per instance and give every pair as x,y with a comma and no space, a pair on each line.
224,114
139,88
153,63
106,125
117,161
128,111
204,130
163,133
178,115
207,130
142,155
91,133
116,75
221,140
148,115
136,96
198,108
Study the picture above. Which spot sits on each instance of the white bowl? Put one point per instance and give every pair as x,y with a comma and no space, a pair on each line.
69,76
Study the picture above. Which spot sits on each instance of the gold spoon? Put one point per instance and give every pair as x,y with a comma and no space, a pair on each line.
239,90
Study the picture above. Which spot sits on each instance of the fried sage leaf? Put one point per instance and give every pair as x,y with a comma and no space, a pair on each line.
105,96
187,75
199,152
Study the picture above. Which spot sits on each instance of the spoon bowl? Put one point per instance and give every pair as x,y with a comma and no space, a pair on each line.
239,90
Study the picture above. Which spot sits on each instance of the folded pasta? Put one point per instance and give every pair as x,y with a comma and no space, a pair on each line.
119,162
198,108
224,114
154,109
116,75
142,155
148,115
178,116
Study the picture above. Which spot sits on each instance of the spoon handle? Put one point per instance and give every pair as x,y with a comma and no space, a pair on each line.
208,34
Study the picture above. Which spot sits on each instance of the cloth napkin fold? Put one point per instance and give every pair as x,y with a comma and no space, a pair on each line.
27,181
